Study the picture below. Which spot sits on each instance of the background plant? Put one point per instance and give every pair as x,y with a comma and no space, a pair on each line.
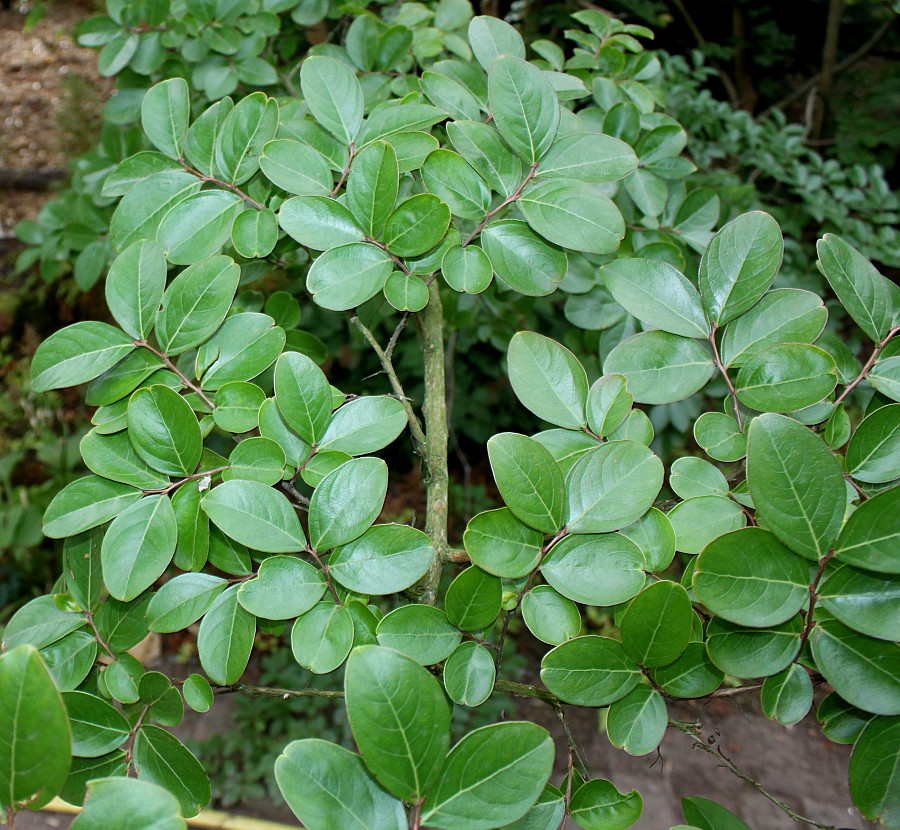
224,458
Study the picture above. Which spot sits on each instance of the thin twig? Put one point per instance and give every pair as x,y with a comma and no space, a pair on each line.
724,372
100,641
213,180
813,598
325,573
869,363
351,153
176,484
143,344
711,746
505,203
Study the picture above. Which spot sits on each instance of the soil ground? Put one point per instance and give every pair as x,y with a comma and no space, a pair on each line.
39,126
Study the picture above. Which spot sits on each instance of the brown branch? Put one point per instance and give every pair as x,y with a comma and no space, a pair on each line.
143,344
176,484
102,643
350,155
813,598
213,180
325,573
717,360
505,203
868,365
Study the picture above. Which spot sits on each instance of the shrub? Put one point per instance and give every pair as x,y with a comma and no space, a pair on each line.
234,485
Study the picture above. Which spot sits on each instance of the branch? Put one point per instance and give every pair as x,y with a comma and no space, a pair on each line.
717,359
711,746
143,344
507,201
869,363
813,598
415,426
213,180
846,63
176,484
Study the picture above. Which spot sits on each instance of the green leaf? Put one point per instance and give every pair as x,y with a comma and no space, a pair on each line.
700,520
164,430
467,269
129,373
524,106
81,568
796,484
35,752
548,379
346,502
491,778
254,233
719,436
748,577
135,169
469,675
70,659
406,292
661,367
198,694
272,425
85,503
707,815
327,786
490,37
345,277
77,354
500,544
256,459
658,295
595,570
399,717
322,638
97,727
598,805
637,722
246,345
862,670
243,134
612,486
412,149
753,652
138,547
237,406
421,632
296,168
225,638
165,114
693,674
303,396
389,121
884,376
874,771
481,146
134,287
386,559
114,457
183,600
589,671
588,157
529,480
574,215
873,454
416,225
139,214
521,259
372,186
786,697
861,289
333,95
785,315
870,536
162,759
284,588
447,175
198,226
864,601
840,721
255,515
448,95
550,616
608,404
195,304
739,265
655,537
786,377
129,804
363,425
319,223
192,547
656,626
472,601
690,477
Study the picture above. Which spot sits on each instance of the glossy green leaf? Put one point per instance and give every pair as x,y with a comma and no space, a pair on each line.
490,37
183,600
521,259
870,537
481,146
529,480
656,627
661,367
372,186
467,269
322,638
245,346
162,759
588,157
134,287
637,722
35,752
598,805
345,277
796,484
416,225
874,771
501,544
612,486
753,652
97,727
719,436
319,223
595,570
243,134
707,815
327,786
296,168
469,674
198,226
128,804
285,587
491,777
346,502
608,404
421,632
690,476
550,616
698,521
225,638
873,454
333,95
786,697
141,210
693,674
363,425
164,430
386,559
655,538
77,354
254,233
472,601
786,377
589,671
399,717
255,515
739,265
114,457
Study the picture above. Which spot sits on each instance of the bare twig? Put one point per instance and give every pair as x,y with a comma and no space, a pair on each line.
868,365
717,359
505,203
228,186
143,344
